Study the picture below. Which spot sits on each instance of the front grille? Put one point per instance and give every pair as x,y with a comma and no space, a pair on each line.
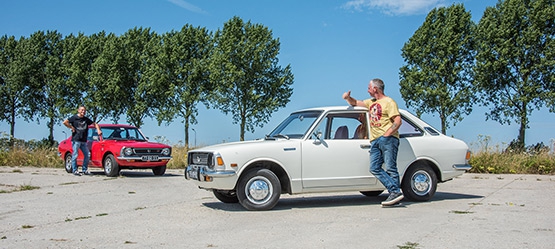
197,158
147,151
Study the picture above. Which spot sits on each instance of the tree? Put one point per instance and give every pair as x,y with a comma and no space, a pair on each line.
248,81
439,57
18,94
80,52
138,53
515,64
50,78
106,93
180,75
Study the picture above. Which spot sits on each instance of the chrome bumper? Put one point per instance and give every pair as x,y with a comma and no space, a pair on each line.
203,173
462,166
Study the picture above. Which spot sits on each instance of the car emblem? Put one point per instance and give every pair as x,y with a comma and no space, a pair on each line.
198,160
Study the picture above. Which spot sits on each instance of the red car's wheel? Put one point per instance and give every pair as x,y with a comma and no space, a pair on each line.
111,167
67,162
159,171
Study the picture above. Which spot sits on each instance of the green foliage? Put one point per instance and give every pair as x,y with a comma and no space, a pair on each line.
439,57
181,74
535,159
249,83
515,63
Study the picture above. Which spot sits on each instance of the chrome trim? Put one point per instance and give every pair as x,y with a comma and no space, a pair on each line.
205,171
462,166
160,158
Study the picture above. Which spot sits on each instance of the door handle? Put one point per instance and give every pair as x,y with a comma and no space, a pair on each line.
365,146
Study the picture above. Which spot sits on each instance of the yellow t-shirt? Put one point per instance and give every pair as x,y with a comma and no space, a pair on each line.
382,112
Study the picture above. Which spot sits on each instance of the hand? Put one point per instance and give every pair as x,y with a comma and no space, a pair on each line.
347,95
99,132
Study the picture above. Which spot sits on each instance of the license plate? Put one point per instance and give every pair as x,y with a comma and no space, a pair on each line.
149,158
193,174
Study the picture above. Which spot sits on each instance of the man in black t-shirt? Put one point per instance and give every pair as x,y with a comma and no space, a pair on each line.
79,125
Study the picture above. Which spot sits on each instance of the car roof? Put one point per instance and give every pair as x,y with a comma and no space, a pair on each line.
113,125
342,108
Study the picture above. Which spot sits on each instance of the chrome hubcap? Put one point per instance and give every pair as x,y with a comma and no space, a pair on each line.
421,183
258,190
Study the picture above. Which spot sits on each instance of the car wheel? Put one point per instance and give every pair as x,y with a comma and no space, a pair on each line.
67,161
419,183
258,190
111,167
226,196
371,193
159,171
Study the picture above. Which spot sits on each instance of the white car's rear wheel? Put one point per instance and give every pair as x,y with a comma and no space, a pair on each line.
419,183
259,189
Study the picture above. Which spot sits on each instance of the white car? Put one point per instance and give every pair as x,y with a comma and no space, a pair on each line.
324,150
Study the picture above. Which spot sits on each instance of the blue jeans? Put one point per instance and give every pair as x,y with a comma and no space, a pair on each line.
383,151
83,147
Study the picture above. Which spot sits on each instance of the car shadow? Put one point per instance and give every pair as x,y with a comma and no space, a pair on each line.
327,201
136,174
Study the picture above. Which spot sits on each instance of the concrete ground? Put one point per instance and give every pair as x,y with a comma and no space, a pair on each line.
140,210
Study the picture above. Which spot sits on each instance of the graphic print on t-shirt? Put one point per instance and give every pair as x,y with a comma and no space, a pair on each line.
375,115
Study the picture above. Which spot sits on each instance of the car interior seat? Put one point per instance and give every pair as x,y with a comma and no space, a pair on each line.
342,132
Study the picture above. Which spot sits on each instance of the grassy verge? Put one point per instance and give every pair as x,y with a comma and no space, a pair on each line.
486,160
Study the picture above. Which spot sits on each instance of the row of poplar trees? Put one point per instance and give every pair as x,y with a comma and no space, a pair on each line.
505,62
142,74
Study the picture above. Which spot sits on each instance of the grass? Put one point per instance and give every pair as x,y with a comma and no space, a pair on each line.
497,159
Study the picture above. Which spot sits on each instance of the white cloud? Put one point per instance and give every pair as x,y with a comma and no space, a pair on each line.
187,6
395,7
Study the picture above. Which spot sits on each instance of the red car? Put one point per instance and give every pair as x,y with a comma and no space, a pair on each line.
119,147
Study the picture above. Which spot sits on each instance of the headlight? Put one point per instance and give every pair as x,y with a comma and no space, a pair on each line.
166,151
128,151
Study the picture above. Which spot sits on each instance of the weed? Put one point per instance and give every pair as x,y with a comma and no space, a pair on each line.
27,226
460,212
102,214
27,187
408,245
83,218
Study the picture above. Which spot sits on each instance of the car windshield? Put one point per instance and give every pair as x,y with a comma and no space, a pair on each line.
296,125
121,133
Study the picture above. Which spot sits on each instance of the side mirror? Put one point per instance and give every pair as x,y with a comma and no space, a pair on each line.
317,136
95,138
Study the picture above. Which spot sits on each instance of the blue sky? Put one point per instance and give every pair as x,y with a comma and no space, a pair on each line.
332,47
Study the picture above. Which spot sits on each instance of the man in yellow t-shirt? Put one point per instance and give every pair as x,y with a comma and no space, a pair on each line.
385,121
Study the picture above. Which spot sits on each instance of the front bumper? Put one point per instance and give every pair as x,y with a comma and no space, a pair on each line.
205,174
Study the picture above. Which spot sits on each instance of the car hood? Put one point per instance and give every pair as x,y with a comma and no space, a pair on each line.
244,146
137,144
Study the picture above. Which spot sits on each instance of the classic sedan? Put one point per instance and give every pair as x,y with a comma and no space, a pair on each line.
119,147
324,150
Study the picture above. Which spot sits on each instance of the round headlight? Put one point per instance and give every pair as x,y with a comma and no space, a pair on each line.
128,151
166,151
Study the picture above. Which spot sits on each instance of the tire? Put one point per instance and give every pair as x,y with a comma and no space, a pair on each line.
67,162
159,171
371,193
226,196
111,167
258,190
419,183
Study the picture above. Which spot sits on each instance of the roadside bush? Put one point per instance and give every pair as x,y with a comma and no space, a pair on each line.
535,159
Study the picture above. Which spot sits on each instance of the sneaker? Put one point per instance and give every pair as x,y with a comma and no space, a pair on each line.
76,173
87,173
393,199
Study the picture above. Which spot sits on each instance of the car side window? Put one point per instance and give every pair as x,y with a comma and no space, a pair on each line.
408,129
344,126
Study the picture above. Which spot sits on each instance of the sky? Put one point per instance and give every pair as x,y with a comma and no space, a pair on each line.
332,47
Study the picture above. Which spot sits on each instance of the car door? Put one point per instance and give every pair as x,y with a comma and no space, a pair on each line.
336,155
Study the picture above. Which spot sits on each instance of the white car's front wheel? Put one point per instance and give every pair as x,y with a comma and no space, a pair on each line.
419,183
259,189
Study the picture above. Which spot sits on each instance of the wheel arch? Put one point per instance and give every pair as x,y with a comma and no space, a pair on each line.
426,162
275,167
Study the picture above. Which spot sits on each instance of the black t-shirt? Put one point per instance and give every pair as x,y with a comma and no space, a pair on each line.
81,128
